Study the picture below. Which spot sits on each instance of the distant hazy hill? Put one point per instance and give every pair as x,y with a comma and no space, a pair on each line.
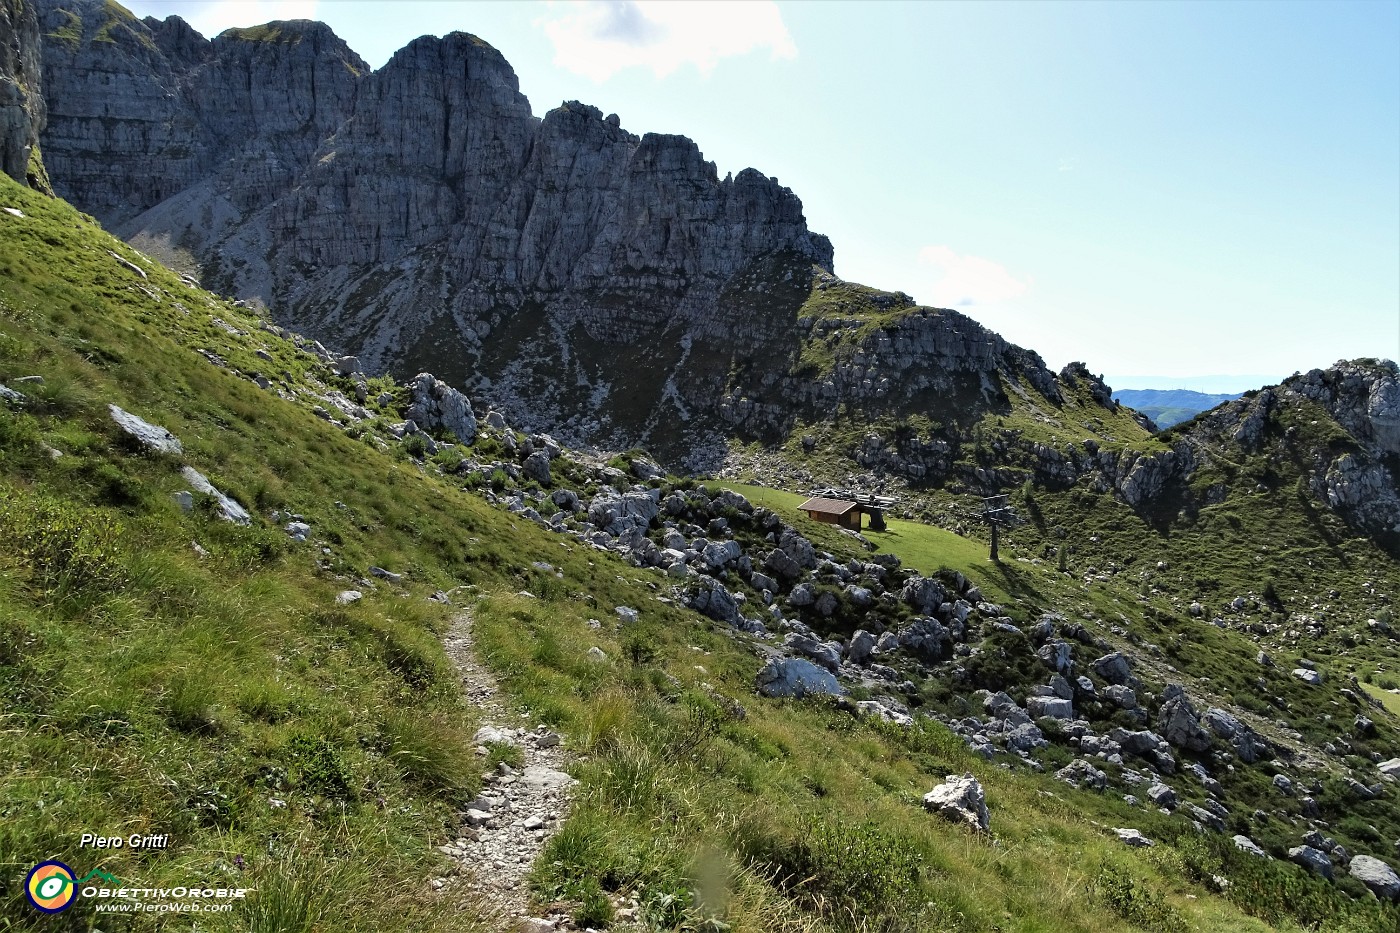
1167,407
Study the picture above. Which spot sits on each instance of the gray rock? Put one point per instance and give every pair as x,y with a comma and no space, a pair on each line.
436,405
1162,796
718,554
1025,737
1313,860
713,599
924,594
794,677
861,648
1283,784
883,710
1221,723
1142,742
1178,723
619,513
799,549
1121,696
1204,817
763,582
962,800
297,531
495,736
1054,707
346,597
536,467
924,638
1057,654
544,778
1313,678
999,704
645,469
780,563
824,653
1134,838
23,109
1246,844
152,437
227,508
1081,773
1114,668
1376,875
12,397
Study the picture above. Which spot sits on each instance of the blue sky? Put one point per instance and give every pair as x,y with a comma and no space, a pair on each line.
1158,189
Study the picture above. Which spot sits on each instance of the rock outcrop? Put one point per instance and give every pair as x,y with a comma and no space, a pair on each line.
961,800
22,106
1341,424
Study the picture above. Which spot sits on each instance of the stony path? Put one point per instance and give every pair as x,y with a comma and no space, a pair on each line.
506,826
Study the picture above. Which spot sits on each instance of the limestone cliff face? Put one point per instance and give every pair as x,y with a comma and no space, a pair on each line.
422,217
121,134
152,111
22,107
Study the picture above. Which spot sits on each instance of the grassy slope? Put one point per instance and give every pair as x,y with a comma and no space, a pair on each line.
146,688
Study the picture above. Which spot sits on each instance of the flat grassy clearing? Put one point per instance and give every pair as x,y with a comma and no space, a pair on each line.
1390,700
925,548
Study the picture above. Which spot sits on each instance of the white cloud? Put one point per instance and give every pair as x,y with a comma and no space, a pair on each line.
599,38
212,18
963,281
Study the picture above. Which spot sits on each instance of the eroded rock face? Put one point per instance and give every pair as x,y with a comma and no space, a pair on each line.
22,107
148,111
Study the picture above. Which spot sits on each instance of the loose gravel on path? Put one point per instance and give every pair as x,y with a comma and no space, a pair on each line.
505,827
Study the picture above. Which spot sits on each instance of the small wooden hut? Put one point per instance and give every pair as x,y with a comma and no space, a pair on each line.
840,512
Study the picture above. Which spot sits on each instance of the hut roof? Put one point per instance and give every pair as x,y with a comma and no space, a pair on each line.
827,506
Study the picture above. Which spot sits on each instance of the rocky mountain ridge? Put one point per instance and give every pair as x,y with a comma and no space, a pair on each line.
609,287
1338,429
